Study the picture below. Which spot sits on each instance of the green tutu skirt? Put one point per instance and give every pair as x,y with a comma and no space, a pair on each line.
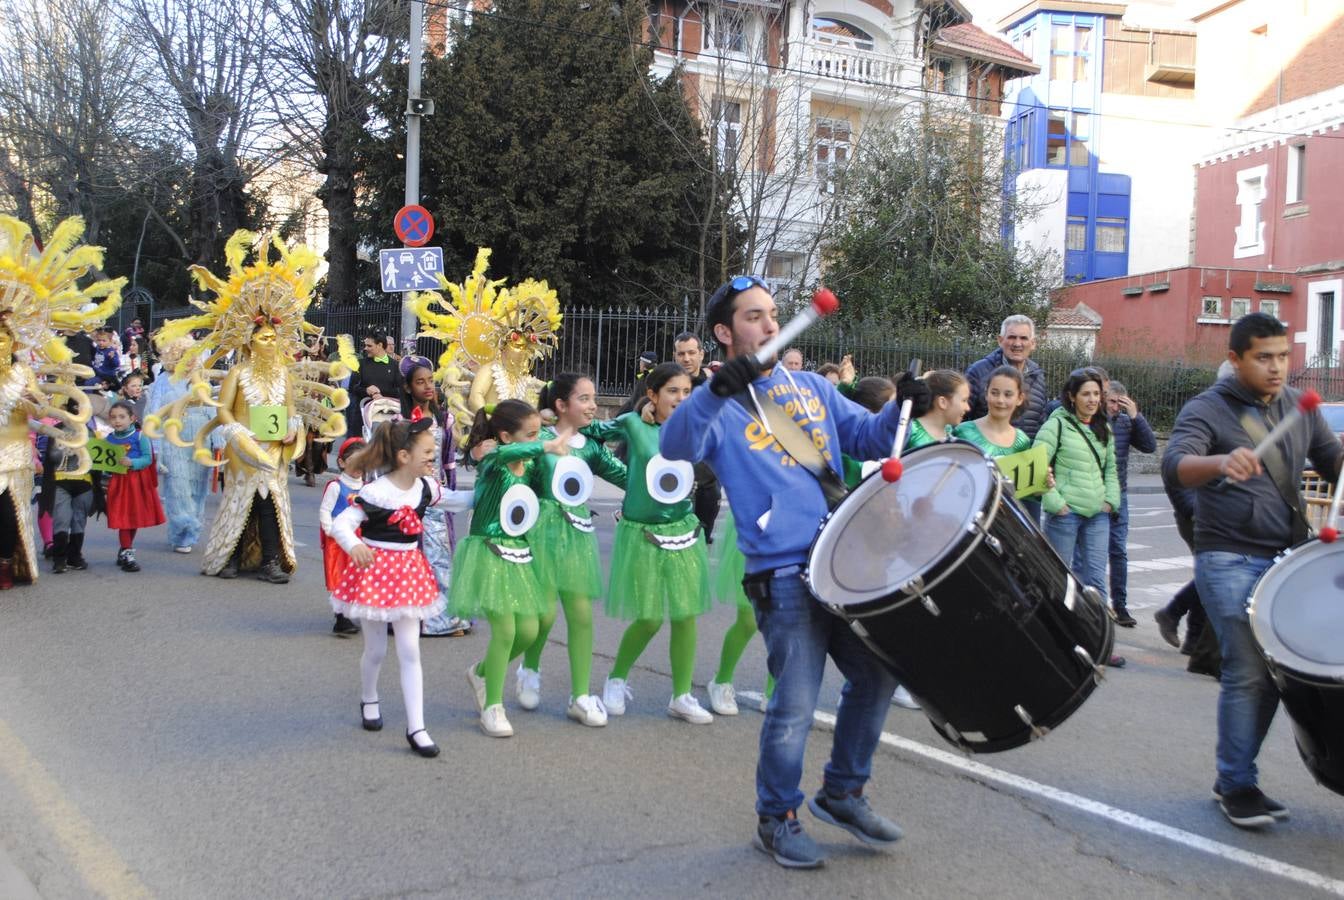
566,558
729,565
486,585
649,582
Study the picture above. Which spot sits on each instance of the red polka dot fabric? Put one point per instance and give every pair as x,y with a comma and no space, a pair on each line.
397,580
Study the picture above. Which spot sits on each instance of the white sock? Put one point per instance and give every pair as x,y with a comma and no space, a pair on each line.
407,633
375,648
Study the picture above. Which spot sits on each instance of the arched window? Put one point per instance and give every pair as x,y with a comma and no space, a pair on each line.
841,34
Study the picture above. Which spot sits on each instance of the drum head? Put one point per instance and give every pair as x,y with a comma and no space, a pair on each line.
883,535
1297,611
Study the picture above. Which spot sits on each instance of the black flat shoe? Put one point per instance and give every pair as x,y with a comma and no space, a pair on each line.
429,750
373,724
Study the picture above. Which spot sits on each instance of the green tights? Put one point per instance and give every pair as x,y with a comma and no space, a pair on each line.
735,641
579,628
682,650
510,635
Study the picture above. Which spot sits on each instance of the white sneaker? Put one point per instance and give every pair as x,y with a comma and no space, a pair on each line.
495,723
587,710
688,708
765,702
722,699
903,698
529,688
614,694
183,549
477,687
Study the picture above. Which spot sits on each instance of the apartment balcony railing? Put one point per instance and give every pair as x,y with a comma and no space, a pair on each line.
862,66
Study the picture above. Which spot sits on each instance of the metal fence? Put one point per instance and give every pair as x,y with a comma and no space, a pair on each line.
606,343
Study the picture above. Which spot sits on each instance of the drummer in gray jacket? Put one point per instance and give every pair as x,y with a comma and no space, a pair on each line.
1249,511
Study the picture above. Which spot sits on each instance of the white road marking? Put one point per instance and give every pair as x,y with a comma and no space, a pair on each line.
1114,814
1132,547
1151,527
1161,564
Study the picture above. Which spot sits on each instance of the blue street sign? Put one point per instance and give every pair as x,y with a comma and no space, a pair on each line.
410,268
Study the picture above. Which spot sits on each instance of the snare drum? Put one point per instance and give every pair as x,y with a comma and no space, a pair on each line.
1297,618
947,580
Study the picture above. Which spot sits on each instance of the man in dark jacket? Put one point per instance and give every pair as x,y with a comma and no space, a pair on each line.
690,355
377,377
1131,429
1250,509
1017,340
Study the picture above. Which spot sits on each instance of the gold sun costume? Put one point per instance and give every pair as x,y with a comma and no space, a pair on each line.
257,314
39,294
497,332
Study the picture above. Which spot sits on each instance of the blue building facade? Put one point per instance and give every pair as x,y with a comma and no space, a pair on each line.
1053,123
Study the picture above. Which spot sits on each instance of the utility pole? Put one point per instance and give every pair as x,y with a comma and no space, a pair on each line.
415,108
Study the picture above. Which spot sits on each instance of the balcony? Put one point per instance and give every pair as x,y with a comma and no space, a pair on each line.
848,64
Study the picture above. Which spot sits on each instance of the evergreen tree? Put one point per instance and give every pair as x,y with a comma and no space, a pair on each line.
553,145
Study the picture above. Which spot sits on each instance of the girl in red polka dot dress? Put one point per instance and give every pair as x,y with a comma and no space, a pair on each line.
388,579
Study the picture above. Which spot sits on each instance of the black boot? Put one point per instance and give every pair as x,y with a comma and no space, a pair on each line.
272,572
60,543
74,552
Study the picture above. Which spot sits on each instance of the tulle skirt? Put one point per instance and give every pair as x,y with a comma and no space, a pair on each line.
486,584
729,565
566,557
649,581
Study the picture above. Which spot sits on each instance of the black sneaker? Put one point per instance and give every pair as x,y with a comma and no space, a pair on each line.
1248,808
783,839
852,813
126,559
1124,619
1273,807
344,626
1168,627
230,570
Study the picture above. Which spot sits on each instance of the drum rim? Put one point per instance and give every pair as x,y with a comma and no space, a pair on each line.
897,596
1259,609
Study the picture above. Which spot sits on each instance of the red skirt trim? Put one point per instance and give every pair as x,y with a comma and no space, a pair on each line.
133,499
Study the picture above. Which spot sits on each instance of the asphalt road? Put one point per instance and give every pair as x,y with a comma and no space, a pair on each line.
167,735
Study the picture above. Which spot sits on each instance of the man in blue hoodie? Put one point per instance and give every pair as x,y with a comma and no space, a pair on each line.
778,500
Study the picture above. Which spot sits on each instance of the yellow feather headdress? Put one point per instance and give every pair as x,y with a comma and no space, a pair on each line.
40,292
278,291
484,317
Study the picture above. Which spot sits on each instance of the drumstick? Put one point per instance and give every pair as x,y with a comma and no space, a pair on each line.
891,466
823,304
1330,531
1305,404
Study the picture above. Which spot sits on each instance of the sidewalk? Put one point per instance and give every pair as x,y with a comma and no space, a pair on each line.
1145,483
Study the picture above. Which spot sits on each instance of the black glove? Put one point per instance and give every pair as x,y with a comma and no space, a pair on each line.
736,375
908,387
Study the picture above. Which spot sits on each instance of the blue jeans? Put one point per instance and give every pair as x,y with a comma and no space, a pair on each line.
798,635
1085,536
1119,555
1247,698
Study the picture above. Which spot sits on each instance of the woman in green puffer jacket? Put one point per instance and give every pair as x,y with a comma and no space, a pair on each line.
1082,453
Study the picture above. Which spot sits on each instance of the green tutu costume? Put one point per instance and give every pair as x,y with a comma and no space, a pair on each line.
730,566
563,541
485,581
659,568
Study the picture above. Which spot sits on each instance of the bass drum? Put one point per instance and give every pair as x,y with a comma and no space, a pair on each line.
948,581
1297,618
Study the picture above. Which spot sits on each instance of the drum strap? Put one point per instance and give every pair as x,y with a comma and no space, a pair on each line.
1275,465
798,444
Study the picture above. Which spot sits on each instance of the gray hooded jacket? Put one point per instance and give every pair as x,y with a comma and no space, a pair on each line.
1250,517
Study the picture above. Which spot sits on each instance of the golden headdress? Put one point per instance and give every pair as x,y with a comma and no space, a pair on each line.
278,291
39,292
485,317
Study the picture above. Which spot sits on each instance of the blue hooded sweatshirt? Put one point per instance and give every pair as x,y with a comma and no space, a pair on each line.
776,503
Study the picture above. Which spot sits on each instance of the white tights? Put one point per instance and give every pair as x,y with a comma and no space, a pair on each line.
407,634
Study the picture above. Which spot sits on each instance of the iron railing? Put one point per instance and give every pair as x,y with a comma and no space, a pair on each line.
606,344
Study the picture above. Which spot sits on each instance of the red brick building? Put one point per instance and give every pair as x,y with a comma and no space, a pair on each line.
1266,232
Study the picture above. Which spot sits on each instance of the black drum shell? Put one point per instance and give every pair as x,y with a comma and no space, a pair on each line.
1004,637
1316,709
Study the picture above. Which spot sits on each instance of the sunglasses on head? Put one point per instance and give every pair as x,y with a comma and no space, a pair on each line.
741,283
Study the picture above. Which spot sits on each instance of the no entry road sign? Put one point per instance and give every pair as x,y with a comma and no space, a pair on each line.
414,226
